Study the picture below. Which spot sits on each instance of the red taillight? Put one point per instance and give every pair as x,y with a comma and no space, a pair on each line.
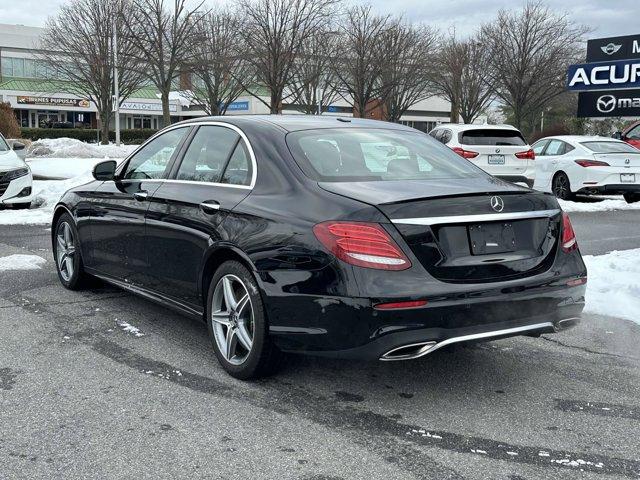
591,163
569,242
465,153
362,244
528,155
400,305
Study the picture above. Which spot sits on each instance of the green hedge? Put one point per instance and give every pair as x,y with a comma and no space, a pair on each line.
87,134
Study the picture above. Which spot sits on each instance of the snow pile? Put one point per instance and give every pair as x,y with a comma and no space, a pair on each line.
63,168
47,194
614,284
603,206
21,262
72,148
128,328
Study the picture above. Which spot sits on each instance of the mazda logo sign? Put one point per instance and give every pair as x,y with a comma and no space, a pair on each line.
606,103
497,203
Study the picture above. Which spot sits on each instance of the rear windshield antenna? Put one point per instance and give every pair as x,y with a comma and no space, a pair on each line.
341,119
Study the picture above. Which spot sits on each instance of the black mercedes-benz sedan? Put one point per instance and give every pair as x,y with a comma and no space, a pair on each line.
330,236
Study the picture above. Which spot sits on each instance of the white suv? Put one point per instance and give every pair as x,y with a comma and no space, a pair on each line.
15,177
500,150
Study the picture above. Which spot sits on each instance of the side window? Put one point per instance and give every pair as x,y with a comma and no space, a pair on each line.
152,160
538,147
555,147
239,169
207,154
568,148
446,136
634,133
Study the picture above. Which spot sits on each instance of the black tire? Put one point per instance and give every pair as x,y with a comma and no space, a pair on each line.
78,278
263,358
21,206
561,186
632,197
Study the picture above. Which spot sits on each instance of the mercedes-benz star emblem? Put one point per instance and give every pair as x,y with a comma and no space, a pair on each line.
497,203
497,150
606,103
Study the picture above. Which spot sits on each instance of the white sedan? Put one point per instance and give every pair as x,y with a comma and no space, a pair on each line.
16,187
570,164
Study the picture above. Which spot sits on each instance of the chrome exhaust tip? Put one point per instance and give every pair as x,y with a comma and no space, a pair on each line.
408,352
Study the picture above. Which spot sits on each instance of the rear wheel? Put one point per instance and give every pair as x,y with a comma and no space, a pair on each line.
66,252
561,186
237,324
632,197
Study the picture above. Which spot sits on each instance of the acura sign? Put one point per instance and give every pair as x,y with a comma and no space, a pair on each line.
609,83
621,103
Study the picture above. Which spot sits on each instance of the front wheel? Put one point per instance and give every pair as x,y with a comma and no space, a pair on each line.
66,252
237,324
561,186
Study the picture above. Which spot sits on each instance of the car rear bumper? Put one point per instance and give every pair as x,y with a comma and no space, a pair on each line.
354,329
518,179
611,189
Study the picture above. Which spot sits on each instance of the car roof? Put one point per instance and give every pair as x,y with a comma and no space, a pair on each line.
581,138
294,122
459,127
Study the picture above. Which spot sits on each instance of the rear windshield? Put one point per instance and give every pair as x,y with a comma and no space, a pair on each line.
491,137
348,155
610,147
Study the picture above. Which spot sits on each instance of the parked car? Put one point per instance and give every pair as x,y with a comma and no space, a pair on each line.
500,150
339,237
571,164
15,177
631,135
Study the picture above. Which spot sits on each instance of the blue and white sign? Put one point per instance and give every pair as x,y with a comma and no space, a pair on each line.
238,106
604,75
332,109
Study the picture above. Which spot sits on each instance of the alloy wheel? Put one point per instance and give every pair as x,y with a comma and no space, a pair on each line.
232,319
65,251
561,186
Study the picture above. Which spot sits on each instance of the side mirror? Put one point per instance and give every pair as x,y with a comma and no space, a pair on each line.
17,146
617,135
104,171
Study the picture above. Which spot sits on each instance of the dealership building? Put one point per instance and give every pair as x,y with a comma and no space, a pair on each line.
38,101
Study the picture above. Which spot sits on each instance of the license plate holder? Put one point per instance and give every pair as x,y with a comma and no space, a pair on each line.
496,159
628,178
491,238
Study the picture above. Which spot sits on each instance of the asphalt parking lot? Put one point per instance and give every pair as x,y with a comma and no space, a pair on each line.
82,397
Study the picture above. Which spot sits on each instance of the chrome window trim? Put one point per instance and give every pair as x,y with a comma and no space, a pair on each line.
485,217
252,155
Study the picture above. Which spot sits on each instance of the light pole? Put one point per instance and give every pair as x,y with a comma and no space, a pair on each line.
116,86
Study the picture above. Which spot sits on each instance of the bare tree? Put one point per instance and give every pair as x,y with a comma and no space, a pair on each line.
461,75
85,58
165,40
219,63
275,32
314,83
530,50
407,71
359,66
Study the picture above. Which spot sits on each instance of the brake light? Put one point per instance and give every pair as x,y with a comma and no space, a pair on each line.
362,244
569,242
591,163
528,155
400,305
465,153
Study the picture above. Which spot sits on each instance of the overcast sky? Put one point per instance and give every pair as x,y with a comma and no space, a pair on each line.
604,17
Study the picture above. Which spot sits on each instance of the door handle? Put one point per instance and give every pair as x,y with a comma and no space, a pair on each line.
210,206
140,196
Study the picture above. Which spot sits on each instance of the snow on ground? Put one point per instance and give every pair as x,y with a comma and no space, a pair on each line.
609,204
72,148
128,328
63,158
21,262
613,288
47,194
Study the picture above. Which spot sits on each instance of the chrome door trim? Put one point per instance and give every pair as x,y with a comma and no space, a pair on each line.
480,218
